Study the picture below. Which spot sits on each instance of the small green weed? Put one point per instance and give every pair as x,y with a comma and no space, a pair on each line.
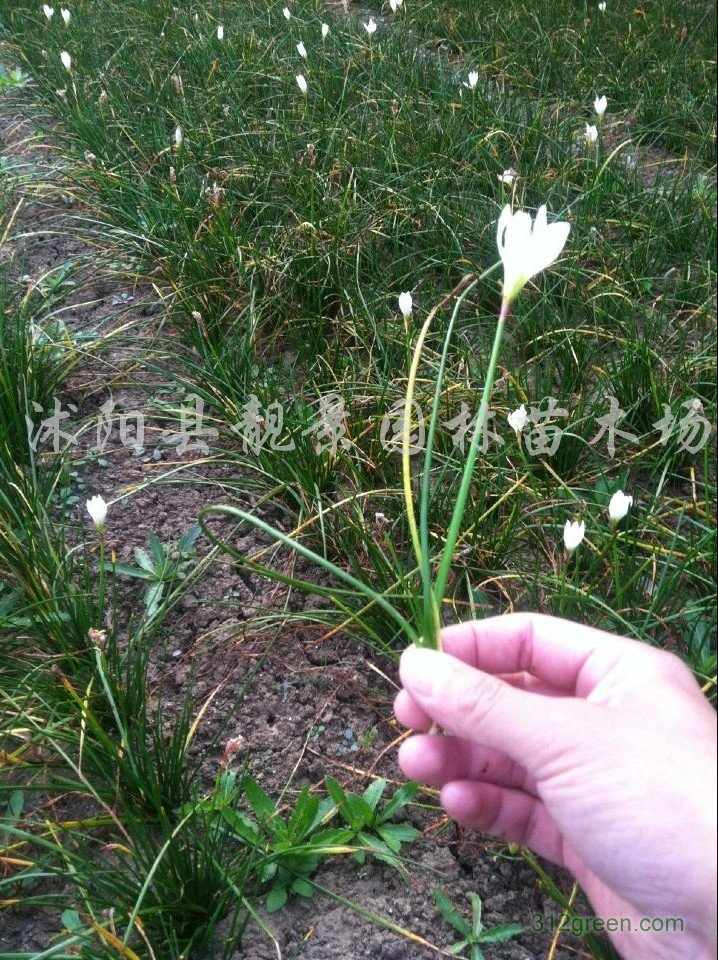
160,567
370,822
473,934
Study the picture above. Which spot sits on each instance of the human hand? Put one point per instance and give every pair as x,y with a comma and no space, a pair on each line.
597,752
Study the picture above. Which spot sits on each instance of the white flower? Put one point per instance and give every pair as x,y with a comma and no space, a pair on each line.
220,32
179,137
473,80
48,11
573,534
65,14
370,27
395,4
508,176
602,6
599,105
518,418
66,60
97,508
325,31
301,83
287,14
301,49
527,248
619,506
406,304
591,133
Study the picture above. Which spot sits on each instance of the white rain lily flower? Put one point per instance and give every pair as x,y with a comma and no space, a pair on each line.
573,534
518,418
395,4
406,304
370,27
220,32
599,105
301,50
301,83
473,80
66,15
287,13
325,31
508,176
602,6
179,137
618,506
591,133
97,508
527,248
48,11
66,60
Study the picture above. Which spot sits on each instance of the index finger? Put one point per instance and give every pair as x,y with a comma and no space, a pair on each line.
568,656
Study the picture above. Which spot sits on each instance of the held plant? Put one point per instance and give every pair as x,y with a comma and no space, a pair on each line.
526,248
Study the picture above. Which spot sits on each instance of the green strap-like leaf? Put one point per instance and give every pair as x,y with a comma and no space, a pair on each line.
503,932
449,912
303,551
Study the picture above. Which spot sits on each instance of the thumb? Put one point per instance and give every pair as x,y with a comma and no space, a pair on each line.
468,703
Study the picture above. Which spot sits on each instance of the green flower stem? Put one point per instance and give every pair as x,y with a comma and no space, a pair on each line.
432,619
562,584
101,584
454,528
563,600
615,565
574,579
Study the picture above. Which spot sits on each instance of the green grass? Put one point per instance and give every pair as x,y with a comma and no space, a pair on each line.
280,232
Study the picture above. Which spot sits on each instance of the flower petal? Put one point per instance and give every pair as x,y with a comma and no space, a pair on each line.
552,241
504,221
